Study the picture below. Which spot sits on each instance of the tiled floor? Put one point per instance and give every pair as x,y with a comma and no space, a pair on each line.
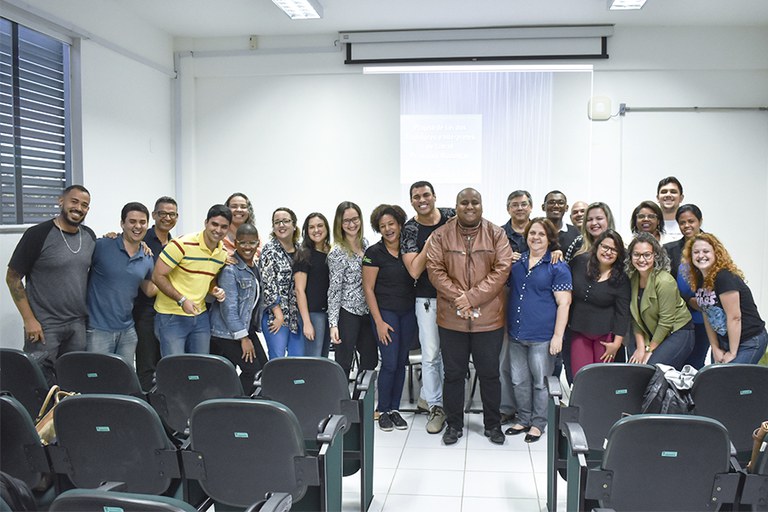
414,471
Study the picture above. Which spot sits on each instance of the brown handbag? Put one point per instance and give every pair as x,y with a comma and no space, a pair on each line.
44,421
758,436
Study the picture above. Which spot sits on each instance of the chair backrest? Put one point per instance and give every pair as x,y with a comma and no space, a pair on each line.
115,438
91,372
664,462
185,380
23,378
248,448
603,393
736,395
21,452
313,388
94,500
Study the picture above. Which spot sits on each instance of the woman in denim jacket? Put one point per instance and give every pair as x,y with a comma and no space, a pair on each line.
232,334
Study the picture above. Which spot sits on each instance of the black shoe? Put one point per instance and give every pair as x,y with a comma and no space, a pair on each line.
512,431
530,438
451,435
398,420
508,418
385,422
495,435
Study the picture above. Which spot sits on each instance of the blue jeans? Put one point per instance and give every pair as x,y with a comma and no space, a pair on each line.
282,341
750,350
179,334
394,357
530,364
431,360
320,345
700,347
675,349
123,343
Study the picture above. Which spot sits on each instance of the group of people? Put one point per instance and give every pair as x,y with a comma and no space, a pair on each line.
523,300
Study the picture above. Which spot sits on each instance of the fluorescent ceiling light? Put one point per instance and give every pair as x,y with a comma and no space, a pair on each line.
625,5
301,9
474,68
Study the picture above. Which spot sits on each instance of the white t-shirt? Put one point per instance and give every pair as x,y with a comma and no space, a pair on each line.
672,232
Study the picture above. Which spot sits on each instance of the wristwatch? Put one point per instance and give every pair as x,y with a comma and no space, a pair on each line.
648,349
181,301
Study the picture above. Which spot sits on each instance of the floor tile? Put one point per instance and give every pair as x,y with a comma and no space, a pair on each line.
431,458
386,456
494,484
499,460
408,502
473,504
427,483
539,459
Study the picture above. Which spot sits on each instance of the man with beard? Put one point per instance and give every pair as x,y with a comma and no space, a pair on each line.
53,258
468,260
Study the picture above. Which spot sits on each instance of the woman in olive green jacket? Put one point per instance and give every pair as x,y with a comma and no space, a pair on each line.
660,319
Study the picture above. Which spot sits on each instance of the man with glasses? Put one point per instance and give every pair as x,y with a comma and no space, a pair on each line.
555,206
165,215
519,206
184,274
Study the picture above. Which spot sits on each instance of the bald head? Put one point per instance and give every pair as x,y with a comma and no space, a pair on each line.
469,208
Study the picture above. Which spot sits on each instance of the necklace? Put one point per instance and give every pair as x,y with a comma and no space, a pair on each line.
80,233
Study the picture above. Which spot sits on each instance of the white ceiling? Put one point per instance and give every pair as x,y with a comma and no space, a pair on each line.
232,18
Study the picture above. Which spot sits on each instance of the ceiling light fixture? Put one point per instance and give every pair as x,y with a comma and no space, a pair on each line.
625,5
475,68
301,9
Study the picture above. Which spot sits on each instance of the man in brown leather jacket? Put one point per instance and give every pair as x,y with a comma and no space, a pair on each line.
468,262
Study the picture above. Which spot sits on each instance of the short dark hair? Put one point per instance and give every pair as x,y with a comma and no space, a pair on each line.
165,200
420,184
219,210
688,208
74,187
387,209
555,192
650,205
667,181
553,241
518,193
246,229
133,207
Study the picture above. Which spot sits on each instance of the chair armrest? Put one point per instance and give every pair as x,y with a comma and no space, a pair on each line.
111,486
330,427
257,380
275,502
553,387
603,510
366,380
577,439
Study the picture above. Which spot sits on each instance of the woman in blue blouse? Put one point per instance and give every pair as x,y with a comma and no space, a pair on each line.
281,323
537,314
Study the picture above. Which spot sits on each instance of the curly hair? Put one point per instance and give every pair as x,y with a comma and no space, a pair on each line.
387,209
249,206
617,270
723,261
660,258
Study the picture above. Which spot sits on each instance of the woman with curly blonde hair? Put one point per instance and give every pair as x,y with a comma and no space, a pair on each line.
736,332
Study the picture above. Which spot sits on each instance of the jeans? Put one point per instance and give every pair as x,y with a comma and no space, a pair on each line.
394,357
179,334
356,335
431,360
320,345
675,349
698,357
508,405
148,346
484,347
530,364
59,340
750,350
233,351
123,343
283,341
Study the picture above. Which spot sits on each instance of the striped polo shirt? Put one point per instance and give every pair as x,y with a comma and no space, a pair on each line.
194,267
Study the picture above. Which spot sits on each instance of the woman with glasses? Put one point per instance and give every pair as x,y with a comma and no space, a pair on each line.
348,314
242,213
281,323
661,321
311,278
599,315
647,217
736,331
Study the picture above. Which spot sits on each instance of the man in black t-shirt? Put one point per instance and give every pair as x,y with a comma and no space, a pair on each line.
415,233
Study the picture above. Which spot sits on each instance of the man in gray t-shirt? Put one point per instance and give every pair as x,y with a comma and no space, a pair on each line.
53,259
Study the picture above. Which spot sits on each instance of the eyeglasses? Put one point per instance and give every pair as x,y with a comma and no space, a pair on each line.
353,220
608,249
249,243
649,216
282,222
167,215
556,202
519,206
647,256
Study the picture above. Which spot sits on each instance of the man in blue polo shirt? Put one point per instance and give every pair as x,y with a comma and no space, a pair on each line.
118,269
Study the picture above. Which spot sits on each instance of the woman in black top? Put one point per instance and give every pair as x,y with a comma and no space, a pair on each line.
391,297
311,281
599,315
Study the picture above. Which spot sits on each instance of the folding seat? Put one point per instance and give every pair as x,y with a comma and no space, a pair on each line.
657,462
755,491
23,378
21,453
242,449
736,395
185,380
315,388
601,395
91,372
113,438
